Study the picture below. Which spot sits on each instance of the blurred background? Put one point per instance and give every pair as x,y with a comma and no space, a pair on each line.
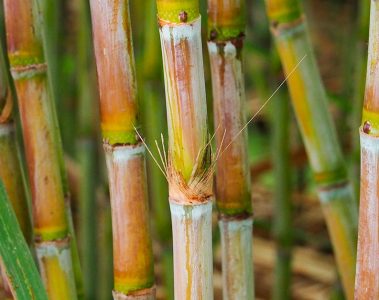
338,31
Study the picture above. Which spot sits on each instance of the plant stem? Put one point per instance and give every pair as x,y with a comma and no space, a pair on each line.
104,244
153,119
367,279
310,104
22,273
282,195
11,170
226,20
125,153
28,67
47,13
87,151
189,166
360,66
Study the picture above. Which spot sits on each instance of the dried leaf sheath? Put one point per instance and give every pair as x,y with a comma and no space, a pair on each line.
367,278
310,105
189,170
125,154
29,73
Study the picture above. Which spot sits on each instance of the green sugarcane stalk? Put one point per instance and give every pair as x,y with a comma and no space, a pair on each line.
104,244
283,231
310,103
87,151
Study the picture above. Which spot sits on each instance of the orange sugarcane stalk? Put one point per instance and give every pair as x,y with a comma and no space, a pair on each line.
10,165
226,20
367,278
125,152
28,68
189,167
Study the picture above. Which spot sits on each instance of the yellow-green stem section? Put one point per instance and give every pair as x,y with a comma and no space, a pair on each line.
55,263
226,19
283,11
171,10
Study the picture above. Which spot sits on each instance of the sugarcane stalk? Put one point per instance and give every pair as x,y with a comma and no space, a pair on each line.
153,119
310,104
367,279
10,171
28,69
226,20
360,66
87,151
104,244
189,164
125,152
283,231
49,14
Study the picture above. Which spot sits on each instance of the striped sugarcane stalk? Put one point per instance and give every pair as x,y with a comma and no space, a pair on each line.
226,19
189,164
367,279
310,104
28,68
125,152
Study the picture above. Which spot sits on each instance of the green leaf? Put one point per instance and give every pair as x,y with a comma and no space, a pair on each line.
15,257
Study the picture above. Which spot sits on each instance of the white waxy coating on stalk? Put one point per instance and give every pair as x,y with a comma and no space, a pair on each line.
6,129
344,191
185,97
192,240
237,261
46,251
121,296
367,277
233,99
125,153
